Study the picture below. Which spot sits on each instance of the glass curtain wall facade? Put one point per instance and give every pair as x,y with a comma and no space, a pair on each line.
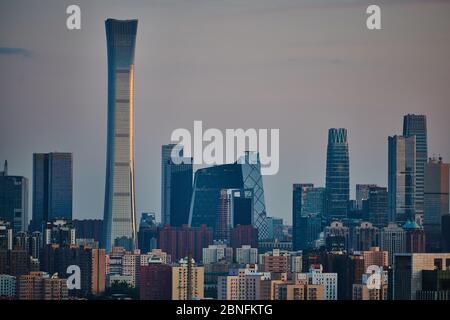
401,178
208,182
416,125
52,188
119,211
176,186
337,174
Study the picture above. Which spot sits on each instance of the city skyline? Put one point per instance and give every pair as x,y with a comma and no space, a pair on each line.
299,158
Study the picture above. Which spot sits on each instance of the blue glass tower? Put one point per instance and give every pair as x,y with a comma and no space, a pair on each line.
119,226
401,178
176,186
14,200
338,174
308,205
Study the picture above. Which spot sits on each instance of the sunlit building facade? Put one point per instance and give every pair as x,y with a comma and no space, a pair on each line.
119,227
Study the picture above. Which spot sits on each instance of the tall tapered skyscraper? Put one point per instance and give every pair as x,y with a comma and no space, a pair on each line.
119,226
416,125
338,174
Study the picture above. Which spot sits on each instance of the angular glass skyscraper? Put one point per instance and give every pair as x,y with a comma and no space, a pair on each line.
417,125
52,188
119,224
338,174
401,178
208,182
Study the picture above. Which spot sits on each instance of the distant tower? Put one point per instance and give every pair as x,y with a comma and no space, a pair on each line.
436,202
52,188
13,201
119,226
416,125
338,174
176,186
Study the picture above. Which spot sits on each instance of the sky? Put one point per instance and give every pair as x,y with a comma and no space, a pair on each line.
300,66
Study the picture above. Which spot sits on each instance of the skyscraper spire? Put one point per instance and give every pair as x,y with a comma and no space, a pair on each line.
338,174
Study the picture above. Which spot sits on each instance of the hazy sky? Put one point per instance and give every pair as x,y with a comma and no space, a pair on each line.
297,65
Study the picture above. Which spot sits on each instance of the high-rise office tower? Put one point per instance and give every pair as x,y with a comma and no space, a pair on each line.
308,205
14,200
401,178
52,188
362,193
119,222
338,174
416,125
243,174
436,201
176,186
377,206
